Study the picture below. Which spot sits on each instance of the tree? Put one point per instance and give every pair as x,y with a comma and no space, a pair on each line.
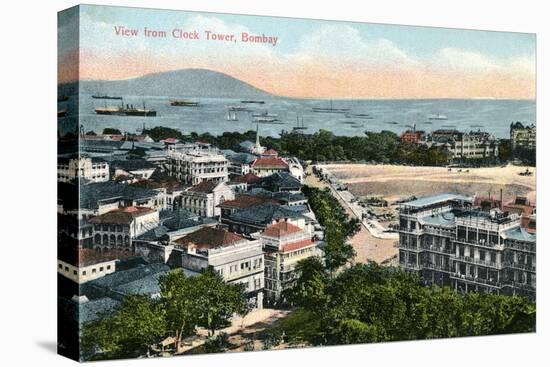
129,332
111,131
309,290
215,301
177,302
337,251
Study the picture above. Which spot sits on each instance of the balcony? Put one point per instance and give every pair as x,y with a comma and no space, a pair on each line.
520,266
472,279
472,260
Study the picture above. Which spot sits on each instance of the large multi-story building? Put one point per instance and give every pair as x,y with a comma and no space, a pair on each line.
523,136
446,241
461,145
82,167
236,259
194,163
285,244
117,228
203,199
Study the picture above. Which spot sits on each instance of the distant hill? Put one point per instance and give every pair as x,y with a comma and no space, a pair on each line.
178,83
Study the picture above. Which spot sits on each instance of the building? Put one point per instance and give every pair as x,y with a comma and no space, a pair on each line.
266,166
523,136
194,163
82,167
241,183
135,169
472,145
256,218
413,136
117,228
204,199
88,264
239,163
296,169
236,259
446,241
284,244
280,182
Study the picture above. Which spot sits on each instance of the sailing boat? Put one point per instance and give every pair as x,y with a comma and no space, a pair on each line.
298,127
231,115
330,109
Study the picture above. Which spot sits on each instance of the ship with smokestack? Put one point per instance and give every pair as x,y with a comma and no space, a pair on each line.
126,110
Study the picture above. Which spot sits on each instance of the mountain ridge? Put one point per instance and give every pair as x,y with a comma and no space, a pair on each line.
190,83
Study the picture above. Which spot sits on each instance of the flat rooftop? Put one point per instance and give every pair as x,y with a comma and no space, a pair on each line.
435,199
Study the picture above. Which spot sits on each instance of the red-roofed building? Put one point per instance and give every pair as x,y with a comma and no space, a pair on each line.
266,166
240,183
285,244
270,153
237,259
117,228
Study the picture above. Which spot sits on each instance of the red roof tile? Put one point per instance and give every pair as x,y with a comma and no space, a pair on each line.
121,216
246,201
270,162
297,245
248,178
205,187
208,237
281,229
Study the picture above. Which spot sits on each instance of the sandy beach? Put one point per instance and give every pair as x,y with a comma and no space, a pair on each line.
396,182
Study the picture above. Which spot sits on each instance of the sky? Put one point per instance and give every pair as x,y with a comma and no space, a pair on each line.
311,59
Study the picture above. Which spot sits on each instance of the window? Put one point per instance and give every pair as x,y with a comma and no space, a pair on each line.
108,267
66,268
84,272
60,266
101,268
74,272
93,271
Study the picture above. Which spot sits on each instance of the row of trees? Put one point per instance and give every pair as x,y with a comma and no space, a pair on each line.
338,227
370,303
185,303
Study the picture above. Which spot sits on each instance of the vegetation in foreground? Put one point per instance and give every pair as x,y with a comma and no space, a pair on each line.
185,304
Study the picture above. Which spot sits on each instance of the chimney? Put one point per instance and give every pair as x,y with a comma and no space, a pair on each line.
501,199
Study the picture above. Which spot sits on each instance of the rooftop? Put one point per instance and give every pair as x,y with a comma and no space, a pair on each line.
121,216
520,234
246,201
248,178
270,162
209,237
93,193
436,199
206,187
266,213
281,229
297,245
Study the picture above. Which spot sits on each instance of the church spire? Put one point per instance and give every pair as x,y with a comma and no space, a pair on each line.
257,136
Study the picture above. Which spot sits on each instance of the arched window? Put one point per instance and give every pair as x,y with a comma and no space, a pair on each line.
105,239
113,240
97,239
119,240
126,240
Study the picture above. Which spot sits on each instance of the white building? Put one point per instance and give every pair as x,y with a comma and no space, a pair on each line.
203,199
285,244
117,228
472,145
92,169
236,259
89,264
194,163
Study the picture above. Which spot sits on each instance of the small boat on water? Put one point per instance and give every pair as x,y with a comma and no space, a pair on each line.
252,101
231,116
183,103
437,116
365,116
267,120
62,98
299,127
104,96
264,114
392,122
128,110
237,108
330,109
62,112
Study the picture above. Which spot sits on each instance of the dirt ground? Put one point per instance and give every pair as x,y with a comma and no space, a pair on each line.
366,245
396,182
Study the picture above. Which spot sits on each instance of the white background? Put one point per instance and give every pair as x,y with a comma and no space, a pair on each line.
28,183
